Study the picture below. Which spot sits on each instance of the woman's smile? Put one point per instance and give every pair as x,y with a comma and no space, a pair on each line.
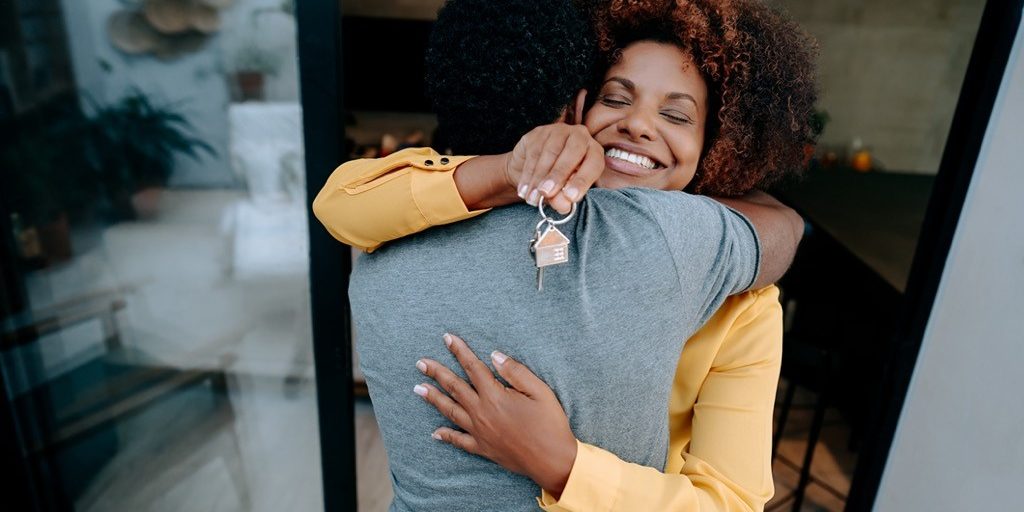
631,161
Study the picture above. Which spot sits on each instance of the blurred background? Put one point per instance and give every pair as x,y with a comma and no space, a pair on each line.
156,337
157,345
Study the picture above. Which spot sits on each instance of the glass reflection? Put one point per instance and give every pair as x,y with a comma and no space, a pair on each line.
156,332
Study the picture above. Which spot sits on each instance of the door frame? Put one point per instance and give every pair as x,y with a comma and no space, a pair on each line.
320,85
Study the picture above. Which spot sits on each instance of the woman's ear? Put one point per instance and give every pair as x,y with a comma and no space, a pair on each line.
573,113
581,99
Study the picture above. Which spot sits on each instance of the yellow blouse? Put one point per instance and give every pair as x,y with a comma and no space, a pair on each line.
723,395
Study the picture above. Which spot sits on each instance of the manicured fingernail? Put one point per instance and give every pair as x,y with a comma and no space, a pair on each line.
498,357
447,340
534,195
522,191
421,365
547,186
436,435
420,390
572,193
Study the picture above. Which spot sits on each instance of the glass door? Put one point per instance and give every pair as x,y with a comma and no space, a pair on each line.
156,312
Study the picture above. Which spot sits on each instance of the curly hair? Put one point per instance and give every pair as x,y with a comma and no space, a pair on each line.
497,69
759,67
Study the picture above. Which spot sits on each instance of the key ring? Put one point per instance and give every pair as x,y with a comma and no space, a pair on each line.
549,220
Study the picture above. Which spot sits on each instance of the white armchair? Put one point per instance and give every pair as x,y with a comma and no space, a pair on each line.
269,233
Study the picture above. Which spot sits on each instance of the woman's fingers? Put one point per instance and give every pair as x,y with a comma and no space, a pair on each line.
560,203
560,152
533,143
479,374
458,389
458,439
552,149
445,405
553,178
589,170
518,375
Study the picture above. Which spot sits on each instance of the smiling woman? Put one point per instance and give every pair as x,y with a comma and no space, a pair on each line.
759,69
650,117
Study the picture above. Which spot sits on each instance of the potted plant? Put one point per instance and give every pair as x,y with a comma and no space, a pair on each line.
129,148
249,65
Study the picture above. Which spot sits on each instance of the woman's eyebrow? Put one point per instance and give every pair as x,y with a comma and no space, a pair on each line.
681,96
625,82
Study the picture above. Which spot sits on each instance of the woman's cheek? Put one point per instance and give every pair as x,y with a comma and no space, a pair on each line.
598,119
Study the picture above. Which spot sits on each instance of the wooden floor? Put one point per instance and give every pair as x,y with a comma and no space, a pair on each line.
833,463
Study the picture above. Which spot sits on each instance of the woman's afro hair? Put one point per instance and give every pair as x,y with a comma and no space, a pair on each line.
759,67
496,69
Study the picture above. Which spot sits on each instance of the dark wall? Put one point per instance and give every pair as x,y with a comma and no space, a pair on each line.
383,63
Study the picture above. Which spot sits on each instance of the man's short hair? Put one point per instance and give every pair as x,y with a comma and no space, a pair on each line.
498,68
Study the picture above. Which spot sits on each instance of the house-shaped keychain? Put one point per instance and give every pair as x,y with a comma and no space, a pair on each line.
551,248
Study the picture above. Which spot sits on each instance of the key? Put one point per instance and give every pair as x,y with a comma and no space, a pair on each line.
540,270
533,251
549,248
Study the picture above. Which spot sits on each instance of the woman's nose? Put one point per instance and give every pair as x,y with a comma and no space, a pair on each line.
637,126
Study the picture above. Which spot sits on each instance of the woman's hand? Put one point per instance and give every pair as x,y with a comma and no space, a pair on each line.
557,161
522,428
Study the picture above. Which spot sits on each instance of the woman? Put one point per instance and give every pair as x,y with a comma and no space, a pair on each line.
717,131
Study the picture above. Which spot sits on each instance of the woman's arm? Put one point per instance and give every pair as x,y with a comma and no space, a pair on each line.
727,468
779,230
368,202
371,201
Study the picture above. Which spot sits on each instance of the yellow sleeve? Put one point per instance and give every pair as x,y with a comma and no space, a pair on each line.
370,201
727,467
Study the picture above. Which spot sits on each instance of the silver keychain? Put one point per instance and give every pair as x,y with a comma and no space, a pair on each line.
550,247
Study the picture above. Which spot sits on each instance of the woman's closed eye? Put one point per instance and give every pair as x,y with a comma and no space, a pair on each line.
614,100
676,117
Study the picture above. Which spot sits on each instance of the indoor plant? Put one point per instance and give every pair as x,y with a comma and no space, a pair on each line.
129,147
249,65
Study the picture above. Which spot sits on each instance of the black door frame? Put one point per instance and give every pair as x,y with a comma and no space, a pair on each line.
320,79
1000,21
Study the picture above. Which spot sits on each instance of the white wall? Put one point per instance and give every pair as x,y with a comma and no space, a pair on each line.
959,443
196,82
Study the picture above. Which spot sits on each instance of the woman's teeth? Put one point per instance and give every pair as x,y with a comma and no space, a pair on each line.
640,160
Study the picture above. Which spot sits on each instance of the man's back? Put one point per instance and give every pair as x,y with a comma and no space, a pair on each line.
646,269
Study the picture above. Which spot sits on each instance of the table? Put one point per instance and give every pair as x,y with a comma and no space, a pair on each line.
875,216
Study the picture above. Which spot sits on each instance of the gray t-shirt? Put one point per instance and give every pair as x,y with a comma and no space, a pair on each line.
647,268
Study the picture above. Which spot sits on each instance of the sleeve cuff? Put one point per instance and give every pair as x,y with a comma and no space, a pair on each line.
437,197
757,247
593,483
